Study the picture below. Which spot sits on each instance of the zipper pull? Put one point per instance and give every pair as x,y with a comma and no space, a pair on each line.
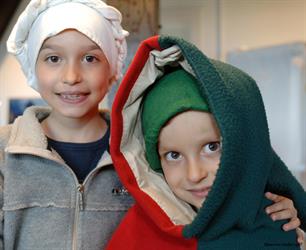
80,189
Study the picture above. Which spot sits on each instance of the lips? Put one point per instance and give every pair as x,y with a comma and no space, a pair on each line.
200,192
73,97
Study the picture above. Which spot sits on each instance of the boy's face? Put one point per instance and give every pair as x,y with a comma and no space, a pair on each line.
190,150
73,74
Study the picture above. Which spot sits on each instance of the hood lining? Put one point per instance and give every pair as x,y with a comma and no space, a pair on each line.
132,143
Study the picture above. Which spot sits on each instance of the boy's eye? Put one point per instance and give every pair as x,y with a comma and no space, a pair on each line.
89,58
173,156
53,59
212,147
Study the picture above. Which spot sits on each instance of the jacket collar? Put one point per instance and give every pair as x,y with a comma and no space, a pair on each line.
27,133
27,136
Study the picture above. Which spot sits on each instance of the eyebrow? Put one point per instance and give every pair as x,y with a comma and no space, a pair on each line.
164,149
54,47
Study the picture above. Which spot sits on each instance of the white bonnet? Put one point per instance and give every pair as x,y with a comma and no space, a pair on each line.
45,18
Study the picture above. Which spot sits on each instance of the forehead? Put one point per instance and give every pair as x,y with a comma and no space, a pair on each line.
69,38
189,123
192,118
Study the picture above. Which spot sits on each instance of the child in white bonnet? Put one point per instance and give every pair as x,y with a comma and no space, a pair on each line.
59,189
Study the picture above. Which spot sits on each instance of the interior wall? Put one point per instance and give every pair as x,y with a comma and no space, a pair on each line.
215,26
251,24
219,26
195,21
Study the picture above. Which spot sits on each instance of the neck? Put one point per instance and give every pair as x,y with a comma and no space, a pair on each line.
87,129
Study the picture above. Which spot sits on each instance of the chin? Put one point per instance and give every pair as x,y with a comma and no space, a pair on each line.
73,114
200,204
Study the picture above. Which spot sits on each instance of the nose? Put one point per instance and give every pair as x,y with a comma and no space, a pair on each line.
196,171
71,73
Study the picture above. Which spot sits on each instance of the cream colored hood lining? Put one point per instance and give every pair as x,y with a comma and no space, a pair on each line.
132,145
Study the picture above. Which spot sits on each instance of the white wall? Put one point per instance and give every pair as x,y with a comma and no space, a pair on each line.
195,20
258,23
215,26
219,26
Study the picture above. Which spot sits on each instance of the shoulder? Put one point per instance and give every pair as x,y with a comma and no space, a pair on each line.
5,132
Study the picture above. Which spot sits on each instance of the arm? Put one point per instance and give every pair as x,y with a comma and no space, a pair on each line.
281,181
4,136
1,211
283,208
1,198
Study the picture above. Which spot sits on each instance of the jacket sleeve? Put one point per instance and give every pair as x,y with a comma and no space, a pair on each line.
281,181
1,211
1,197
4,137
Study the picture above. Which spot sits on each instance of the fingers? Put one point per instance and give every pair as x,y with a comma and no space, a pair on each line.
283,207
301,235
273,197
294,223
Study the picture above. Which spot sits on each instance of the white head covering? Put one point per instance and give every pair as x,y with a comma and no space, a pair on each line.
45,18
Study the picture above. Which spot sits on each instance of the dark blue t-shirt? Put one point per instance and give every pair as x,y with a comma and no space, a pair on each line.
81,157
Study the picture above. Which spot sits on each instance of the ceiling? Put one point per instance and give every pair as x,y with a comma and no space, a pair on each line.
7,9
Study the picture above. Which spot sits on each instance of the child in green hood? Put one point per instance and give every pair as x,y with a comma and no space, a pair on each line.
186,136
192,131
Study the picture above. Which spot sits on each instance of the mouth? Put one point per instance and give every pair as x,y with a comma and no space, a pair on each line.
200,192
73,97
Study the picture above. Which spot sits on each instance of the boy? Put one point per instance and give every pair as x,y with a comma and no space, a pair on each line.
58,185
190,142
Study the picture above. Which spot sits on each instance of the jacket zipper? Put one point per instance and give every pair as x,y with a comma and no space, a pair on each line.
78,207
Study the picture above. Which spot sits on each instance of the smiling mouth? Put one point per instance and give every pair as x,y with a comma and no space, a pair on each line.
73,97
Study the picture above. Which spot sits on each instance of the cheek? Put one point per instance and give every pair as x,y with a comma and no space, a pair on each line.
173,176
101,88
44,76
100,82
45,83
212,164
215,165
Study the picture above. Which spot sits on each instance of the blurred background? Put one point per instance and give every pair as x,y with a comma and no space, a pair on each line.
266,38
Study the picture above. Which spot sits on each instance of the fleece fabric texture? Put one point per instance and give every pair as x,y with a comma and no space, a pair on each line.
41,207
233,215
